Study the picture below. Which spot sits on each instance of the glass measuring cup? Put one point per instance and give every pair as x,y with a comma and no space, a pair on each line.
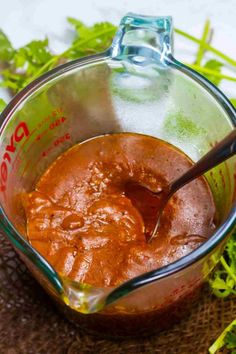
135,86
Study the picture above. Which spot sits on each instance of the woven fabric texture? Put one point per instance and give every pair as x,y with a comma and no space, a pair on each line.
30,323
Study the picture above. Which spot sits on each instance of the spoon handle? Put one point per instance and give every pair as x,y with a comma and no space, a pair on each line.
221,152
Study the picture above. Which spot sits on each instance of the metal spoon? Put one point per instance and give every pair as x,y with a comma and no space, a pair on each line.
221,152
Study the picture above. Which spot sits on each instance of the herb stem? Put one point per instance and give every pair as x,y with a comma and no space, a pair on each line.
219,343
201,48
207,46
46,66
227,268
85,41
204,70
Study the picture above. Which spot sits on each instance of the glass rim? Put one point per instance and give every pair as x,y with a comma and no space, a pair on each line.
160,273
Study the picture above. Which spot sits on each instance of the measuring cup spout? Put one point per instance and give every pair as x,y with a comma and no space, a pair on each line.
84,298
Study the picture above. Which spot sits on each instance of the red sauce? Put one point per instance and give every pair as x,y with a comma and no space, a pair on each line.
90,215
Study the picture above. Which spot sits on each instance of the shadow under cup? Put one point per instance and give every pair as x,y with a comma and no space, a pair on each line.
106,96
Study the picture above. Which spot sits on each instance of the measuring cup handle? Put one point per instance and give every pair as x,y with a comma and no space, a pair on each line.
143,37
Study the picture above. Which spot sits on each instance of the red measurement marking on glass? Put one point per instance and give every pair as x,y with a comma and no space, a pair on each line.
182,290
20,132
46,152
57,123
25,142
58,141
62,139
55,113
194,282
41,135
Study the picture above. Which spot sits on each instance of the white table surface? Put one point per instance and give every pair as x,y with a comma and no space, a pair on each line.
24,20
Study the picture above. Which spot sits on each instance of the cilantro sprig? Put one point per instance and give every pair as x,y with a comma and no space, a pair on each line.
18,67
223,284
223,281
226,339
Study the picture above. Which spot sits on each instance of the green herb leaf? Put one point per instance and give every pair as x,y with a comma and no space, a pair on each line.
215,65
233,101
6,50
74,22
230,338
23,63
27,63
36,53
223,280
208,47
89,40
206,36
2,105
227,337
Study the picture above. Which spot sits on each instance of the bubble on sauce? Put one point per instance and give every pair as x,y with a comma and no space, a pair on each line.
72,222
187,239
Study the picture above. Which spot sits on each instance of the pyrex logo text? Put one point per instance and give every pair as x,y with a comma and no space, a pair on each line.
20,132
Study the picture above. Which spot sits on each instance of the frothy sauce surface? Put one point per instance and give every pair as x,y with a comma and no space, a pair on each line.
90,215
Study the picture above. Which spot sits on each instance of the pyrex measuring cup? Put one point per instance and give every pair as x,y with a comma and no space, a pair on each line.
135,86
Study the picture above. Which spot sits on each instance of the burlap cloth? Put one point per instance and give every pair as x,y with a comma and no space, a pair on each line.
29,322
